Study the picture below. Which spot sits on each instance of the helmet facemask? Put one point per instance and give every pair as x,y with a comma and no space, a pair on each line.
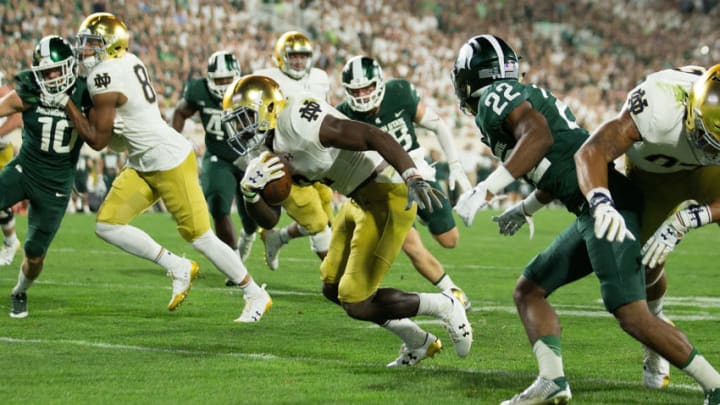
223,68
54,65
251,104
364,85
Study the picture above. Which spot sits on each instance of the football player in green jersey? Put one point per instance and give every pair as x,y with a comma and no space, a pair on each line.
396,107
219,177
536,136
44,169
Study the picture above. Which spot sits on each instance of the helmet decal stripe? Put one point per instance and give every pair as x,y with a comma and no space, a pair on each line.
498,50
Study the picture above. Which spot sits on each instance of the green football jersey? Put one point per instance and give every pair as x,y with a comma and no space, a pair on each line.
555,173
396,113
50,144
196,93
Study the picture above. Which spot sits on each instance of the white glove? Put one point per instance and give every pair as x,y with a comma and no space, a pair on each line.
688,215
458,177
58,100
260,171
470,202
609,223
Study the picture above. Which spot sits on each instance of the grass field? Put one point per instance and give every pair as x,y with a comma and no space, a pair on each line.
99,331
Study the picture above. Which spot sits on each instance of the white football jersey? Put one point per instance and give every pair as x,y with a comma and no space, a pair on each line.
657,106
152,143
297,137
316,82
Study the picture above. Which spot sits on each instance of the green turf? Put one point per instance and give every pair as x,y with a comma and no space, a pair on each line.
99,331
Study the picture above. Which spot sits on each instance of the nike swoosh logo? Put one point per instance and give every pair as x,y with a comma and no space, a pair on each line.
399,113
60,195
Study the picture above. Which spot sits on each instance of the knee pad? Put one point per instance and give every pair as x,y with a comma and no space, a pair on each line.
320,242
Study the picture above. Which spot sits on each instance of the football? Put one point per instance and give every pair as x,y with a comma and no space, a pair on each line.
278,190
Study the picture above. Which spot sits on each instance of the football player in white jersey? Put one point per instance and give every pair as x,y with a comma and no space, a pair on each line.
8,124
362,162
160,165
310,206
669,131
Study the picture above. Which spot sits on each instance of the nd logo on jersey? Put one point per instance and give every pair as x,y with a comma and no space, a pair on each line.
102,80
637,102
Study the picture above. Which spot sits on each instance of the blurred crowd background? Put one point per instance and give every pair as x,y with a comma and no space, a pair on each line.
589,53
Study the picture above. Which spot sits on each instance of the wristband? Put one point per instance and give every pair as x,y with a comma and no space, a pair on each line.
498,180
530,205
410,173
251,197
597,196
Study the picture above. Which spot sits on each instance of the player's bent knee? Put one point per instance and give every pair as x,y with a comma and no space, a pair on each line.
449,239
191,233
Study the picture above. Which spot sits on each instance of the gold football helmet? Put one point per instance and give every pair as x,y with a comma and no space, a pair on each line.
251,107
294,54
703,116
101,36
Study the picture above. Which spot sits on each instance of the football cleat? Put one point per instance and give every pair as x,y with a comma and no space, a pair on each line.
18,305
182,281
543,392
245,243
273,243
656,370
457,324
7,253
460,294
255,307
411,357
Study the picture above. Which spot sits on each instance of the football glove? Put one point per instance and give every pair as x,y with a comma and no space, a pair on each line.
58,100
423,194
457,177
260,172
510,221
688,215
470,202
609,223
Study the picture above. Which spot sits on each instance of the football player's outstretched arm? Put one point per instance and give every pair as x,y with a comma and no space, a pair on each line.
10,106
607,143
354,135
183,111
97,128
533,136
427,118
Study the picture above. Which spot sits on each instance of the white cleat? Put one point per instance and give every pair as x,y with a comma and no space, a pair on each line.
458,325
411,357
460,294
543,392
245,243
182,281
273,243
7,253
255,307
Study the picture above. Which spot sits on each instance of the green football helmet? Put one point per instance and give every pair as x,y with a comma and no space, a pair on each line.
703,116
481,61
53,65
362,78
222,69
